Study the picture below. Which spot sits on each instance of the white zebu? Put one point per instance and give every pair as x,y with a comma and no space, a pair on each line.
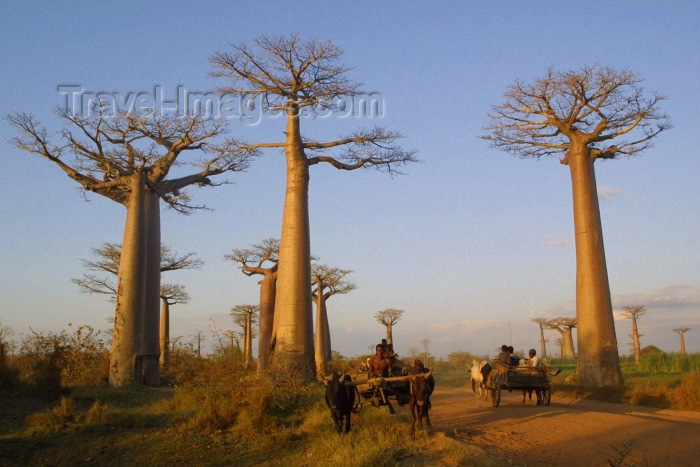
479,373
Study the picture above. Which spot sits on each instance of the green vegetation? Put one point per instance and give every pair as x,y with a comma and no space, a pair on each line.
662,380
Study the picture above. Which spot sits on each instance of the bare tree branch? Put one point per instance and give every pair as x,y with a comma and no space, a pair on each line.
594,104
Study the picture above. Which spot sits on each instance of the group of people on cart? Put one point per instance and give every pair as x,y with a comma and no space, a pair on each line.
506,358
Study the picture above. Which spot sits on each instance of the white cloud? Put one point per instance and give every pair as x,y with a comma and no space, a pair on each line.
558,242
673,296
606,193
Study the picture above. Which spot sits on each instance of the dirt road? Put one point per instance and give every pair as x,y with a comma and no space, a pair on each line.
569,432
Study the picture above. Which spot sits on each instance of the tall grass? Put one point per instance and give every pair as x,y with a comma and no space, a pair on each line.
661,362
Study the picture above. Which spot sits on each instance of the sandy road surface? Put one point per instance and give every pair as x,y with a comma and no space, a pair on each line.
569,432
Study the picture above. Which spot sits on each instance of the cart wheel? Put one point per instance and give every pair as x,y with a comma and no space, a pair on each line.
496,397
546,396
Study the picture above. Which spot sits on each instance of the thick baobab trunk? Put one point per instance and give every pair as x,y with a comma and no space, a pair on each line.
165,334
293,349
635,338
267,313
151,351
125,365
598,361
319,336
389,336
543,347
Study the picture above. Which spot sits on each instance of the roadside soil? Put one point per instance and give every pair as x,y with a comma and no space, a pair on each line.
569,432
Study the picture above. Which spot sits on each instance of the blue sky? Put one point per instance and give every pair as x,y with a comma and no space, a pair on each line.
471,242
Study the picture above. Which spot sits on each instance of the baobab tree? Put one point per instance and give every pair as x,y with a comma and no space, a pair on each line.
585,115
560,342
127,157
107,260
389,318
261,259
633,313
680,332
170,294
326,282
245,317
199,337
542,322
564,326
108,256
298,78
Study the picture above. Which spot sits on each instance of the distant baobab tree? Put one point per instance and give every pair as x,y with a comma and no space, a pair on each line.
108,257
295,78
633,313
564,327
326,282
245,316
170,294
127,158
389,318
199,337
261,259
560,342
584,115
680,332
542,322
107,260
234,338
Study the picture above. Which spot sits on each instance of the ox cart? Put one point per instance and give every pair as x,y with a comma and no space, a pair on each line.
380,391
521,378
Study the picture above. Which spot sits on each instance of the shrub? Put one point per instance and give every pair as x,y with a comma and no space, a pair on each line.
49,362
687,396
223,394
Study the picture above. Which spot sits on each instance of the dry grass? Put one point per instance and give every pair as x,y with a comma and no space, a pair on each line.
667,395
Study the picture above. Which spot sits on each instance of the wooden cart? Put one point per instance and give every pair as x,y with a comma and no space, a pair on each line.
519,377
379,391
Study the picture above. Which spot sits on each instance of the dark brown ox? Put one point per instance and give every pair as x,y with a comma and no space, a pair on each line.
422,384
340,398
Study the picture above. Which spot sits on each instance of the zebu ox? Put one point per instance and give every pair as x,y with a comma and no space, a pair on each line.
340,398
479,372
422,384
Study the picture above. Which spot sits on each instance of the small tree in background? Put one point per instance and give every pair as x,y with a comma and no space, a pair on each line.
680,332
389,318
633,313
542,322
564,327
327,282
170,294
261,259
560,342
245,317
